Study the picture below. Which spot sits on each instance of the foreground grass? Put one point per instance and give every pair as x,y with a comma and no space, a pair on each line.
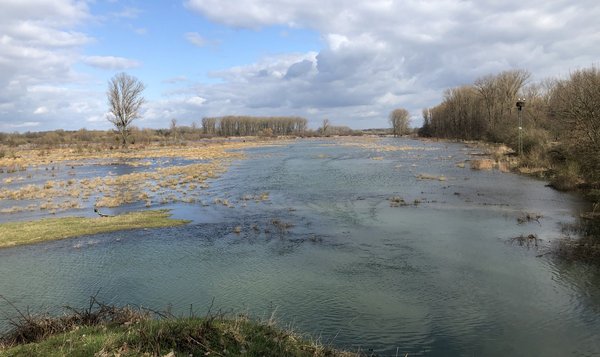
19,233
112,331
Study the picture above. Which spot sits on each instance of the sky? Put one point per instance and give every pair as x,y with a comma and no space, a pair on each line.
351,62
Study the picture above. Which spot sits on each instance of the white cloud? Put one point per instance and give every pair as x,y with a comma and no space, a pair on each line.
127,12
41,110
27,124
376,55
176,79
39,46
381,53
195,39
195,101
110,62
140,30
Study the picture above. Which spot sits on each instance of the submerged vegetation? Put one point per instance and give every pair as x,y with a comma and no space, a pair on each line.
152,184
103,330
19,233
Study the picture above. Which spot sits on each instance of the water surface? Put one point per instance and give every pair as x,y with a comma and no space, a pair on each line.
329,255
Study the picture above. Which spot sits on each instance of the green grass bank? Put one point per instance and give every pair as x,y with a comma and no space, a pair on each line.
30,232
110,331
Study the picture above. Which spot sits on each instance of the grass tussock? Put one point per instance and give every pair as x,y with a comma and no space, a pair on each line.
102,330
19,233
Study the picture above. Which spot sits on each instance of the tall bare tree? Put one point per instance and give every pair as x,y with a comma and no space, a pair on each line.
499,93
399,121
173,129
325,127
124,99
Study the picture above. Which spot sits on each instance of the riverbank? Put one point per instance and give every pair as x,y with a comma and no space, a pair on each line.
31,232
487,156
105,330
581,242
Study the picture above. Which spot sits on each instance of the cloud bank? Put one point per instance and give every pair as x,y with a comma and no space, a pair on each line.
375,56
382,54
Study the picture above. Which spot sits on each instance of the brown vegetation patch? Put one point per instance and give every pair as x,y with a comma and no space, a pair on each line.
164,185
397,201
216,149
482,164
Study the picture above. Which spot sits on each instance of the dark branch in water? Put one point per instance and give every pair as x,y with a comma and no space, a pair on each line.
526,240
101,214
527,217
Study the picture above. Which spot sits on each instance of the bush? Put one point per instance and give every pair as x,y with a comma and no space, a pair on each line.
567,177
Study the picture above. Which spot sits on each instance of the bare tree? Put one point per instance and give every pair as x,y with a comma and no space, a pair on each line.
124,99
574,104
499,93
173,129
325,127
399,121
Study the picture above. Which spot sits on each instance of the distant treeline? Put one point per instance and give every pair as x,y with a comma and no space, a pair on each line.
246,125
224,126
561,119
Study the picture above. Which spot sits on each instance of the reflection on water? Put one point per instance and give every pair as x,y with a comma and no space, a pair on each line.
335,259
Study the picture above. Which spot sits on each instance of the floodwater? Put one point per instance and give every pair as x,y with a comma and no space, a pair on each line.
329,254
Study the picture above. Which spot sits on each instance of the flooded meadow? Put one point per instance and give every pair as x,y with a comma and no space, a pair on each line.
387,245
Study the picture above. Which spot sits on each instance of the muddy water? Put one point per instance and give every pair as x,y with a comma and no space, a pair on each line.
329,254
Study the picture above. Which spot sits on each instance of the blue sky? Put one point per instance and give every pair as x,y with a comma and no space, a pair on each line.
349,62
160,33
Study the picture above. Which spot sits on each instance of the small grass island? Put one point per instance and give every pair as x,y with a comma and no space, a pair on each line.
48,229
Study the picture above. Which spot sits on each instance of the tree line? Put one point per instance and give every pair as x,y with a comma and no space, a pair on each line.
561,118
484,110
248,125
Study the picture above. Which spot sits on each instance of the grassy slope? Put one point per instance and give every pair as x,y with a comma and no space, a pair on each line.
18,233
175,337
